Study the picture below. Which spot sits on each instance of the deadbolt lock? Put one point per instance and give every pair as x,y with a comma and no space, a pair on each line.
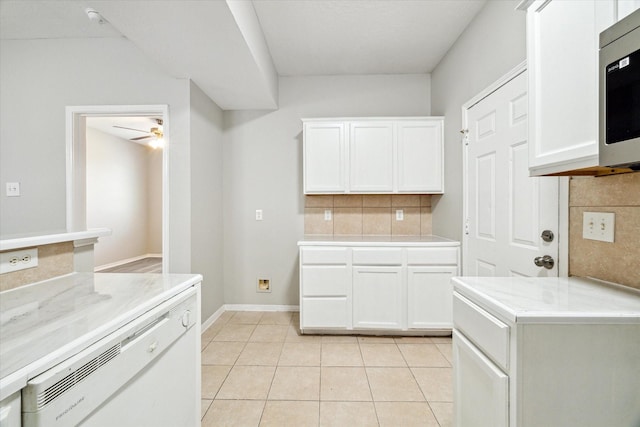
547,236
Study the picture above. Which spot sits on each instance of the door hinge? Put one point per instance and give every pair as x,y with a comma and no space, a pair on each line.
465,138
466,226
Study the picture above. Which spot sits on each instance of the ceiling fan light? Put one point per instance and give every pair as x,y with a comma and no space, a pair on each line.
156,143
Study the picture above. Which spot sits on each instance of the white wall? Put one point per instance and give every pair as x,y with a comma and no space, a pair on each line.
492,44
38,78
206,198
120,184
263,170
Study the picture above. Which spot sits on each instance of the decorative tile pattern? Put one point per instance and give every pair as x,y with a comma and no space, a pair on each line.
618,261
368,215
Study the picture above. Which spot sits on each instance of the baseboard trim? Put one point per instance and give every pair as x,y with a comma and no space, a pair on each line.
125,261
215,316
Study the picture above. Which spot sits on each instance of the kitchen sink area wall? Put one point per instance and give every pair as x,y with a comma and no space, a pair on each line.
368,215
614,262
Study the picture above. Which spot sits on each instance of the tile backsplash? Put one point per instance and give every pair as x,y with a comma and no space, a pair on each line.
53,260
619,261
368,215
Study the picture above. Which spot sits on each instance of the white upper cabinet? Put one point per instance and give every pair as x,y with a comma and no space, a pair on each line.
420,156
562,54
324,143
373,155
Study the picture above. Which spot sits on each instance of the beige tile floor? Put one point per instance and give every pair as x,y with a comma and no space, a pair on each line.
257,370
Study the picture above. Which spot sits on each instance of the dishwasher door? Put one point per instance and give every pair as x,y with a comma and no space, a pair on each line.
145,374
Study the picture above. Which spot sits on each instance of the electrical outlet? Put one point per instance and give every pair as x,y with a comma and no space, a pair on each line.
327,214
258,214
399,215
18,260
599,226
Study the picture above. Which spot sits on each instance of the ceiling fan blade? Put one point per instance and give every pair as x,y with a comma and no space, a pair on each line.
137,130
141,138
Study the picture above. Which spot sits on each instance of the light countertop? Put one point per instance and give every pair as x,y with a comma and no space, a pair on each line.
46,322
552,299
344,240
36,239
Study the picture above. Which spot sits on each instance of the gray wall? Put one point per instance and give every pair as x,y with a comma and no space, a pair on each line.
493,44
206,198
38,79
263,170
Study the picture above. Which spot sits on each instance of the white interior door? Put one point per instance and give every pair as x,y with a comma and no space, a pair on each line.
506,210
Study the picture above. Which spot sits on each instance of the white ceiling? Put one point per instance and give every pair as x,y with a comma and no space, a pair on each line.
234,52
331,37
136,126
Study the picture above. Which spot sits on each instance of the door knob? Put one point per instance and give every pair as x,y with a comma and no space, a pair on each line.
544,261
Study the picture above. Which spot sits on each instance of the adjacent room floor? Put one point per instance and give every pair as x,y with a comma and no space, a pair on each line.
257,370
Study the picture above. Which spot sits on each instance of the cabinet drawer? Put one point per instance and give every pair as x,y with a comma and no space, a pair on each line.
326,280
432,256
323,313
375,256
336,256
487,332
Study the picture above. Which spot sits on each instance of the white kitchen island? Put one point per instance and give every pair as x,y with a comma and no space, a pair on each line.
382,285
534,352
66,321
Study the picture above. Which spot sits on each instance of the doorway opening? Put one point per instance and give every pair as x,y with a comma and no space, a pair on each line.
117,178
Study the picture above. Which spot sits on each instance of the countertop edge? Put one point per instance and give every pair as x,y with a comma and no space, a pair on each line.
18,379
494,306
382,241
46,239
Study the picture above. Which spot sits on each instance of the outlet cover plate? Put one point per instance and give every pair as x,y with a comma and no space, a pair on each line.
599,226
18,260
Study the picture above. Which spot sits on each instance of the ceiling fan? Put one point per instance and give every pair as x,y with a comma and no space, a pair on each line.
154,132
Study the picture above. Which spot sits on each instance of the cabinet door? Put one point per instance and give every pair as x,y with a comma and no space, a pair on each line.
377,297
371,157
325,155
562,53
430,297
480,389
419,156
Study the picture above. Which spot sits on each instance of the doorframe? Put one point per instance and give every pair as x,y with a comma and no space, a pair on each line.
76,170
563,183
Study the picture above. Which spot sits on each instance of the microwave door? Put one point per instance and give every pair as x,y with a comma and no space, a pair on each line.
623,99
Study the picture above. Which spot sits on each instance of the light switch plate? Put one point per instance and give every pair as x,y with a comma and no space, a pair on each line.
599,226
258,214
13,189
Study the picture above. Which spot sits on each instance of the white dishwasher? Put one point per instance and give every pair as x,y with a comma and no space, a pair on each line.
142,374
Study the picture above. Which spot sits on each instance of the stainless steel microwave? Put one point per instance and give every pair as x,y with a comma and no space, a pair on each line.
620,94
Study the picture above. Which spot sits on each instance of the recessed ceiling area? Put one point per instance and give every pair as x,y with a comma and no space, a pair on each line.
235,50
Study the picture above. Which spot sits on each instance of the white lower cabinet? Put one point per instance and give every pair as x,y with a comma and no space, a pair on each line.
429,296
555,368
377,297
377,288
481,388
